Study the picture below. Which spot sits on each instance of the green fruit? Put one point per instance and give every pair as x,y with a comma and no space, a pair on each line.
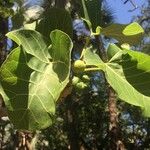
79,66
75,80
85,78
81,85
125,46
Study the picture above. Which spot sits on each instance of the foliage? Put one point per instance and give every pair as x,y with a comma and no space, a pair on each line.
130,34
144,20
131,70
36,74
63,22
29,71
6,8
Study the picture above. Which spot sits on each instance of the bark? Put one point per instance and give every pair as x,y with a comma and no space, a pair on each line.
71,117
115,142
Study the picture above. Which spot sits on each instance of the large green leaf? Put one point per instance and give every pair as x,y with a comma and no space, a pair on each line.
33,77
92,12
55,18
130,34
128,72
91,58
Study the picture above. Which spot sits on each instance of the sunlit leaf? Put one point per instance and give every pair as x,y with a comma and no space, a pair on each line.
130,34
128,72
129,75
33,77
91,58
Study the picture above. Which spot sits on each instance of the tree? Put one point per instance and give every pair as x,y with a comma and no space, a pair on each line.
35,74
144,21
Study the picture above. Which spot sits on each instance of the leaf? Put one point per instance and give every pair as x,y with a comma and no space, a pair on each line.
131,34
132,73
112,50
55,18
92,12
91,58
85,10
128,72
33,77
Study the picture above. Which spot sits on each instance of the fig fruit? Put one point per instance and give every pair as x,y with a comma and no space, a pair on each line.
81,85
75,80
79,66
85,78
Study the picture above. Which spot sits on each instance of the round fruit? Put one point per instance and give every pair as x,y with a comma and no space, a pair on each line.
79,66
85,78
81,85
75,80
125,46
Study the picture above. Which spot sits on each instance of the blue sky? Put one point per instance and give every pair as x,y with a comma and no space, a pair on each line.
122,11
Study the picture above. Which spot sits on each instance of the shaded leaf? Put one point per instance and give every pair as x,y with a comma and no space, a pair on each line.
112,50
33,77
92,12
55,18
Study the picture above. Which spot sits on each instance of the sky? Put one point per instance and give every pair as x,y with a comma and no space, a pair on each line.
121,11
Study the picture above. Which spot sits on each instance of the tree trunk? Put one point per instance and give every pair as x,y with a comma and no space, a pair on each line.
72,124
115,142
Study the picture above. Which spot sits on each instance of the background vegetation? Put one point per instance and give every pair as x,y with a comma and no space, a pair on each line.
82,117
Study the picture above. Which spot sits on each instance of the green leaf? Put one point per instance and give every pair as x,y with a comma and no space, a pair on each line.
128,72
130,34
112,50
129,75
33,77
55,18
92,12
91,58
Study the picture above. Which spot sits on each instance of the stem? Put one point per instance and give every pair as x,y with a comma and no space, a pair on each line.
101,49
92,69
